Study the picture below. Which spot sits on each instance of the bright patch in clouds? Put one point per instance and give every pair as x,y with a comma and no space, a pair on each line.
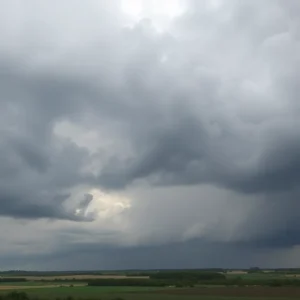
132,7
108,205
159,12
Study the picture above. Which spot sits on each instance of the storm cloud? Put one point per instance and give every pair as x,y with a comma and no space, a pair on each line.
127,132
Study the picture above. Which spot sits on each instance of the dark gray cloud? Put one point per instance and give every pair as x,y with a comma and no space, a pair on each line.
202,137
90,103
193,254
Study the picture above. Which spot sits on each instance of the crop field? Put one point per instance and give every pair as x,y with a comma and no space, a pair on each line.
23,286
84,292
236,272
222,286
41,283
136,293
252,292
144,293
261,276
79,277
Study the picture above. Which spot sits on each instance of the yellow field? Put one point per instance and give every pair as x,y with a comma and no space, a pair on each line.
237,272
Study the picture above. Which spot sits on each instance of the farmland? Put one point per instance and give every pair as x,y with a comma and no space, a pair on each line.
130,293
78,277
162,285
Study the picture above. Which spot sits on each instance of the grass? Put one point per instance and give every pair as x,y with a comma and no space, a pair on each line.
126,293
80,292
40,283
51,290
129,294
261,276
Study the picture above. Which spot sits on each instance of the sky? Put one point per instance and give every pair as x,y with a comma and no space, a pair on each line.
141,134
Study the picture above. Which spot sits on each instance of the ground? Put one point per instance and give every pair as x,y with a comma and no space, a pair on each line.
45,287
135,293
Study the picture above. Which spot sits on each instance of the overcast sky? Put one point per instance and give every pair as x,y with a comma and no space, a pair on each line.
149,134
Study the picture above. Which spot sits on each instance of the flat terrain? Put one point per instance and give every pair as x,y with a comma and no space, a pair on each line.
269,292
135,293
55,286
83,292
79,277
36,286
237,272
40,283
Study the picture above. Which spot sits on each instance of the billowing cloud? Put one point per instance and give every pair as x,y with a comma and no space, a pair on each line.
176,127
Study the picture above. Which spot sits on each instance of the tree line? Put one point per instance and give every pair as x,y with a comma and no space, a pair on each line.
10,279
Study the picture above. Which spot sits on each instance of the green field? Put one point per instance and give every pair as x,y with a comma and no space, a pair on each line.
259,276
40,283
80,292
177,285
126,293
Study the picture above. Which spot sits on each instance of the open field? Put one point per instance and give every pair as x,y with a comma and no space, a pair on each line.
79,277
236,272
135,293
181,285
129,293
269,292
41,283
83,292
261,276
37,286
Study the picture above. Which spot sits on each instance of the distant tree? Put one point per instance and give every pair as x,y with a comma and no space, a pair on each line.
254,270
